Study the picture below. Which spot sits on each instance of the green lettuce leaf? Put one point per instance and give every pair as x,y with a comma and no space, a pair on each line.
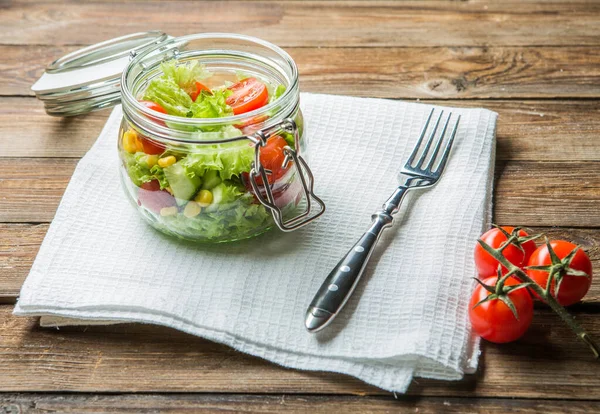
279,90
230,159
172,89
169,95
137,167
184,75
211,105
159,173
238,219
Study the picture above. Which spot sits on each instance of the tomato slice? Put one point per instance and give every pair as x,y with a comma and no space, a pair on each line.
252,125
152,147
155,107
199,88
271,158
248,95
153,185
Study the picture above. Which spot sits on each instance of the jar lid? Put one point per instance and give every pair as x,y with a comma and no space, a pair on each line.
89,79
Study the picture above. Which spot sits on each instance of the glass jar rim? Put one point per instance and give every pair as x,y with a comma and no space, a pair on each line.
128,98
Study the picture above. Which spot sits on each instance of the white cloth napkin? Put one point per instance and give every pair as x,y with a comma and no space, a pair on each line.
408,317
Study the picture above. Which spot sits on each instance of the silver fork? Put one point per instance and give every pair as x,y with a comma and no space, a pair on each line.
421,173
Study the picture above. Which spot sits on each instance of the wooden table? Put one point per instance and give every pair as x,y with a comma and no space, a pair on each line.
537,64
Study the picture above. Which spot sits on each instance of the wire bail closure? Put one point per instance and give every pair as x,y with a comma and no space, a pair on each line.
259,139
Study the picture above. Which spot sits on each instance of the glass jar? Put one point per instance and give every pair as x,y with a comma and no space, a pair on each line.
209,179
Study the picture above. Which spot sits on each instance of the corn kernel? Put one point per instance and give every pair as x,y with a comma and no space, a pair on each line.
204,198
192,209
167,161
168,211
130,141
151,160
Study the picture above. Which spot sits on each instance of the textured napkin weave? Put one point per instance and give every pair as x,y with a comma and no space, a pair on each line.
408,317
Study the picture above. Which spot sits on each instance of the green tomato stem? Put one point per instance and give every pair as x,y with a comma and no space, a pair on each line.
546,295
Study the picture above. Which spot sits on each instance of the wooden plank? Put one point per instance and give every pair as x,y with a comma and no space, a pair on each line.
526,193
220,403
32,188
549,361
19,244
529,130
352,23
434,73
538,194
27,131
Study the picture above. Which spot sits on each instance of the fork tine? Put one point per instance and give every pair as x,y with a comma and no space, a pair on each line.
436,150
442,163
429,141
418,144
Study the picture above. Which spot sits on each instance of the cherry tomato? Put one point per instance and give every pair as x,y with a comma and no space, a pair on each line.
487,265
271,157
155,107
248,95
152,147
572,288
199,88
153,185
252,125
153,198
493,320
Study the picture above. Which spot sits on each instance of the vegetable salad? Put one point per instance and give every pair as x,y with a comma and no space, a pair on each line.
202,191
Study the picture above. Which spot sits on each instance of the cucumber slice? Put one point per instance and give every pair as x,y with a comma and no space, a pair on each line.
184,185
210,180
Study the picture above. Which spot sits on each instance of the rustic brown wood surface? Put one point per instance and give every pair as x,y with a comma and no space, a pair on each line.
536,63
207,403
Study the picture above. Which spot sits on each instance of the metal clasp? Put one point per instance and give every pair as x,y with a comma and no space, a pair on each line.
259,139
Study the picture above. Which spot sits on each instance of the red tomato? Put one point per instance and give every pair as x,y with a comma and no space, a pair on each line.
248,95
271,157
152,147
252,125
199,88
487,265
493,320
155,107
572,288
153,185
153,198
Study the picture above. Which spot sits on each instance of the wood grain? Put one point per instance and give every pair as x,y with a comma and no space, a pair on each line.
527,130
549,361
19,244
526,193
536,63
415,72
32,188
250,403
537,194
352,23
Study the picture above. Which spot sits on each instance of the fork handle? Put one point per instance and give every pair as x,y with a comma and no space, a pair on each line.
339,285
